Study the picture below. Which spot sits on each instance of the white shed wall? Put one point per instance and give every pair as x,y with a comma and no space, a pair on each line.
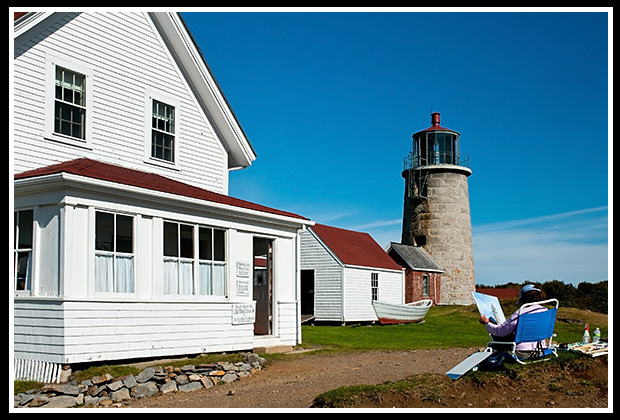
328,272
358,298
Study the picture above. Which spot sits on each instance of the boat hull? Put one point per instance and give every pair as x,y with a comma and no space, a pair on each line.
388,313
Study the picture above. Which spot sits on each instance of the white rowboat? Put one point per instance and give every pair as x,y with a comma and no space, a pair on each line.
389,313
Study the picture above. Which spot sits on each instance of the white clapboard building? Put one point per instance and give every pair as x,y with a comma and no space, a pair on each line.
342,272
126,243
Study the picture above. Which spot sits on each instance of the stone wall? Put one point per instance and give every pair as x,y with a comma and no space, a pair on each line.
105,390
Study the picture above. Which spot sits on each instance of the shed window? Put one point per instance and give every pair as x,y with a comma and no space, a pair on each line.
425,285
374,286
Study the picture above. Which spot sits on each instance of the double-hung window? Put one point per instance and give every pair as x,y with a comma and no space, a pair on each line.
162,131
194,260
178,259
70,103
114,253
22,250
374,286
212,261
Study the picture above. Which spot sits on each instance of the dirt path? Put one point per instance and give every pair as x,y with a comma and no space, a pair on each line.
295,382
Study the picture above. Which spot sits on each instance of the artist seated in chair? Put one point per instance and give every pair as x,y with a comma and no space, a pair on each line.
506,330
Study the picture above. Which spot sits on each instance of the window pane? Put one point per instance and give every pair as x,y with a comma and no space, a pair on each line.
104,231
23,271
25,229
124,234
187,241
171,239
205,251
219,245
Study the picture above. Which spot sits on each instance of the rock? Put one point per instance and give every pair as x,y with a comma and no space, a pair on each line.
120,395
144,390
192,386
115,386
217,373
130,381
170,386
206,382
145,375
89,400
244,367
229,377
62,401
181,379
102,379
194,377
38,401
62,389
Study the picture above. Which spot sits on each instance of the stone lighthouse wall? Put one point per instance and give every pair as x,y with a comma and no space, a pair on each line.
441,224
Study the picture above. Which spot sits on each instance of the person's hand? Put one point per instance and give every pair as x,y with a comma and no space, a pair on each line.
484,320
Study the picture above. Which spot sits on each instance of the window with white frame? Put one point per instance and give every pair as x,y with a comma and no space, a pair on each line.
211,261
194,260
162,131
425,284
114,259
70,103
22,250
374,286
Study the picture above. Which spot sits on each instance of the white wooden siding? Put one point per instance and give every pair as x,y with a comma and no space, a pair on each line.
328,298
357,291
91,331
127,58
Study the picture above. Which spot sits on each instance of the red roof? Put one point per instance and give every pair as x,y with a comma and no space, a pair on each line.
355,248
500,293
121,175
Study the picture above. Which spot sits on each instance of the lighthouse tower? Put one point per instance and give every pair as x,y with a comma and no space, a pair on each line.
436,208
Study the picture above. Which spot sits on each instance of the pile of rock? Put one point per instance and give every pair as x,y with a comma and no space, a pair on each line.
105,390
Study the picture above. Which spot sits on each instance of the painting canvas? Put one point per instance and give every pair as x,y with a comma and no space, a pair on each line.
489,306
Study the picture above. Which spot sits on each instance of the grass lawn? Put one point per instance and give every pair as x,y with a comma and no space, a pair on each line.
443,327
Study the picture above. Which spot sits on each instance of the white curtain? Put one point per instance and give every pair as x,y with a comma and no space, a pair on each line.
219,279
171,277
104,273
204,279
124,274
178,277
212,279
186,283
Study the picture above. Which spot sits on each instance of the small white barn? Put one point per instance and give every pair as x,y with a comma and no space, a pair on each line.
342,272
126,243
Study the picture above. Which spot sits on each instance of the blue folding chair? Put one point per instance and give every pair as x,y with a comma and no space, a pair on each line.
531,327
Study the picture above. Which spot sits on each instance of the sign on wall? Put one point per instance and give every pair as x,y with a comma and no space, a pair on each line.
243,313
244,269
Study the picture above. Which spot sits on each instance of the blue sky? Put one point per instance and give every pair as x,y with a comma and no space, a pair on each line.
329,101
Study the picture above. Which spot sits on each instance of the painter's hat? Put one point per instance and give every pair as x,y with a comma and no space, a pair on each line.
525,289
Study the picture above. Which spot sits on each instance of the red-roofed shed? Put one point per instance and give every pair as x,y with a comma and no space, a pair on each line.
343,271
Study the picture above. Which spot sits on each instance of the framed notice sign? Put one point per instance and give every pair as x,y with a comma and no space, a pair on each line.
243,313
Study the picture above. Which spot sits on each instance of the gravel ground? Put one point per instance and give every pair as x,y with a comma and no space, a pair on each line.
293,383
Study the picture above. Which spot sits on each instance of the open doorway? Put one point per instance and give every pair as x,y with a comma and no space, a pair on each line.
307,295
263,285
